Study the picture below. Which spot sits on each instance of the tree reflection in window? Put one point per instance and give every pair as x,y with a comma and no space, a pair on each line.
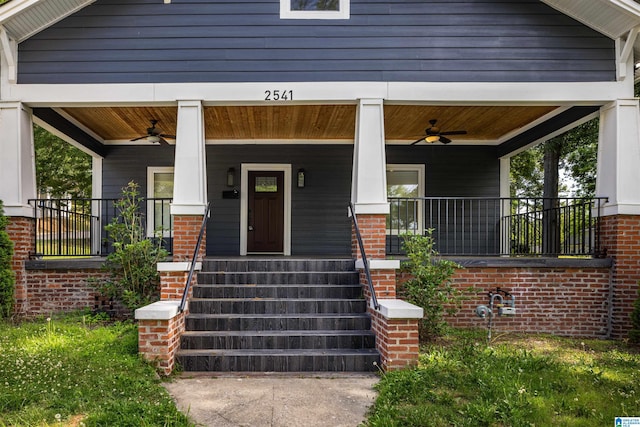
405,213
315,5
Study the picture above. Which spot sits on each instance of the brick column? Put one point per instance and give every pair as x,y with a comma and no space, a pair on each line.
22,232
383,274
185,235
160,326
620,237
396,329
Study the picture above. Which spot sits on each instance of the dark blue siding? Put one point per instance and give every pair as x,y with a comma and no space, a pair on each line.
320,225
319,222
114,41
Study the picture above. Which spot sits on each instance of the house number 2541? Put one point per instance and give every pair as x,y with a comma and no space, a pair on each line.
278,95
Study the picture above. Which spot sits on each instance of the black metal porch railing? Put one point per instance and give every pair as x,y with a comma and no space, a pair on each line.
499,226
75,227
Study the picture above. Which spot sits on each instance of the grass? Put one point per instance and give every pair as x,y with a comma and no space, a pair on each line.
516,381
71,372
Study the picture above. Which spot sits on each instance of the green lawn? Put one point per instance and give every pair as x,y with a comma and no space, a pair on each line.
517,381
69,371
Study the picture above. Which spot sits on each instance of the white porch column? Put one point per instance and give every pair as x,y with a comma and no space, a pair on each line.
17,159
190,174
369,181
618,172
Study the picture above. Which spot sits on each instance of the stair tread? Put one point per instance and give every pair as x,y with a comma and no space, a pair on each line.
277,352
273,285
275,299
283,315
320,332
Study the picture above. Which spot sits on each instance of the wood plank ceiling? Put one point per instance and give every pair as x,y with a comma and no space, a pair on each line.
485,124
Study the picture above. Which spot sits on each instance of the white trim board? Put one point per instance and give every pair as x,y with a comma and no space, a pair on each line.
462,93
244,201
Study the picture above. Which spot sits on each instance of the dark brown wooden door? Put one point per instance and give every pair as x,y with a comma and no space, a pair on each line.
266,212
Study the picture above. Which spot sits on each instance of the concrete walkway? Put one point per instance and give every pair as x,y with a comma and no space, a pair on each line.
275,400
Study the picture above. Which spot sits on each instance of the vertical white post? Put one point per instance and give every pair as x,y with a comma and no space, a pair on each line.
505,193
369,181
618,172
96,193
17,159
190,174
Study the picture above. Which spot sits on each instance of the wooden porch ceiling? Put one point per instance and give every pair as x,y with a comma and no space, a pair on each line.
485,124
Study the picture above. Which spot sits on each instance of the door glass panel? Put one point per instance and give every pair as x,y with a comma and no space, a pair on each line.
266,184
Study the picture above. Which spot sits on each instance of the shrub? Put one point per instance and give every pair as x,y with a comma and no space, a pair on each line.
7,279
634,333
134,278
430,285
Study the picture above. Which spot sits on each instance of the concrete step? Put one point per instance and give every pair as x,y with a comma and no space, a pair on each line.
284,340
280,322
355,360
277,291
276,306
279,278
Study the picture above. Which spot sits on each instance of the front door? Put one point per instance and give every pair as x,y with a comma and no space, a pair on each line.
265,228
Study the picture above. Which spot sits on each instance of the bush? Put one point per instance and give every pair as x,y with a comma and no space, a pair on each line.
133,265
7,278
430,286
634,333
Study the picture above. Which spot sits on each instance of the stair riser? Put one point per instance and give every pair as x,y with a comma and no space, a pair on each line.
294,342
277,265
239,291
298,363
279,278
285,306
278,324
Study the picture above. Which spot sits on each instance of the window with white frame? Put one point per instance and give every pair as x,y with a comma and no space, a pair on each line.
314,9
405,188
159,191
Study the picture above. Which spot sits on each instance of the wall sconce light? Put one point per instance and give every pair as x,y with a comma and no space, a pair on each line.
231,174
301,178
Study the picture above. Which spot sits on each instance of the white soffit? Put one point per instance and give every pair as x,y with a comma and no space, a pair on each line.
24,18
613,18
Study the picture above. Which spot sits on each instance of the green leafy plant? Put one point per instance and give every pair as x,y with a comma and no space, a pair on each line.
134,277
7,278
430,285
634,333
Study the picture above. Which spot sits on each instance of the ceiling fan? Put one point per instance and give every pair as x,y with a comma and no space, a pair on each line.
433,134
154,134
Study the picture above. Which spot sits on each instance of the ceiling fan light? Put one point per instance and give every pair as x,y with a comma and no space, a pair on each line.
153,138
432,138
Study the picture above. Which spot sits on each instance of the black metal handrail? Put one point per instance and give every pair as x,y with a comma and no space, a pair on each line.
75,227
192,268
367,271
497,226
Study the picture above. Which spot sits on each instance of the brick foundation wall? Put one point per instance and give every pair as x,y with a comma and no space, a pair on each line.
561,301
55,291
397,341
22,232
159,340
620,238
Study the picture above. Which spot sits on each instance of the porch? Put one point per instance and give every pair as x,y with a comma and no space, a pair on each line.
476,226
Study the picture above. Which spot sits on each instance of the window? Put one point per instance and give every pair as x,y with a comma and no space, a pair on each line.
159,190
314,9
405,185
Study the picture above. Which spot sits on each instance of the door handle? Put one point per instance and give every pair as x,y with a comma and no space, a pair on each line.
251,228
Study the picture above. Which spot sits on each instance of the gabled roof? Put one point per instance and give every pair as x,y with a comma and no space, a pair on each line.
24,18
